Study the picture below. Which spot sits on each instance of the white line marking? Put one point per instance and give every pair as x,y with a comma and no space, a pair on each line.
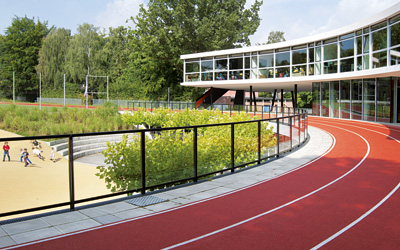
282,206
358,220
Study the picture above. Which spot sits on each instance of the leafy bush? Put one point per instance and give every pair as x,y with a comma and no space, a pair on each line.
169,154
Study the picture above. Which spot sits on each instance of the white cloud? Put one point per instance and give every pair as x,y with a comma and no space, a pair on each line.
117,13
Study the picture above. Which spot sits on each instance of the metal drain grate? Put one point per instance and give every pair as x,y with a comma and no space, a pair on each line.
145,201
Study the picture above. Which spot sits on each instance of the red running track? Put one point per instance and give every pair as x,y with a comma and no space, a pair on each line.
348,199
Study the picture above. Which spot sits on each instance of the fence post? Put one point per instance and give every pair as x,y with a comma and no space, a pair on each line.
291,133
277,132
259,142
71,173
232,148
143,160
195,153
299,129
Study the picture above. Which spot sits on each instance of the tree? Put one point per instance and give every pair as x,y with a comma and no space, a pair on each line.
20,49
167,29
304,99
274,37
53,57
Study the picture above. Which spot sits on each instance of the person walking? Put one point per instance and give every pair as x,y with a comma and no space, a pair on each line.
26,155
52,155
6,149
22,156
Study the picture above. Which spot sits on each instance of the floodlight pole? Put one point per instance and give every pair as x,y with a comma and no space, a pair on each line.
64,90
86,91
13,87
40,90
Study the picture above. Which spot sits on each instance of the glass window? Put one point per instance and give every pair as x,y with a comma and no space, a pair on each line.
366,44
221,75
299,56
236,75
206,66
379,40
344,37
325,99
282,72
347,65
247,74
384,99
207,76
311,55
359,32
318,69
345,99
266,73
330,52
221,64
394,19
334,100
356,99
378,26
192,77
359,45
316,98
366,30
299,70
365,62
379,59
318,54
359,63
347,48
192,67
247,62
331,40
254,62
395,56
236,63
282,59
311,69
369,100
253,73
330,67
395,34
266,61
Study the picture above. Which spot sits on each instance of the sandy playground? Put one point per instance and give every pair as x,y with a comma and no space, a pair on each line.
43,182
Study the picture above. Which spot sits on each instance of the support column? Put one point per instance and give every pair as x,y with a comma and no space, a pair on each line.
273,99
295,96
251,95
281,100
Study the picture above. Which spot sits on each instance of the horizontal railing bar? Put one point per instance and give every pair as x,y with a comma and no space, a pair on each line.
34,209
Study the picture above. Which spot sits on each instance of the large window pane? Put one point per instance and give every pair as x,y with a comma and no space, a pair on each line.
311,69
316,98
366,44
347,48
254,62
369,100
384,99
221,64
325,99
299,70
395,56
282,72
379,59
359,45
356,99
236,75
365,62
395,34
192,67
207,76
311,55
192,77
221,75
318,54
379,40
299,56
347,65
266,61
330,52
318,69
247,62
330,67
359,63
334,100
206,66
266,73
283,59
236,63
345,99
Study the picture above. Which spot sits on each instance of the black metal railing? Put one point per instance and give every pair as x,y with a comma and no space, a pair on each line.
289,131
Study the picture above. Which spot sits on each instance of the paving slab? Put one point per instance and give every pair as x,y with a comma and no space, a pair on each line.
128,214
25,226
77,225
6,241
107,219
35,235
65,218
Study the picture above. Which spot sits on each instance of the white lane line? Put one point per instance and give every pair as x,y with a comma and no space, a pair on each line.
179,207
358,220
282,206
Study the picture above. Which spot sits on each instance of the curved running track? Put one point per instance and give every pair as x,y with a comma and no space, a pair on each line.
348,199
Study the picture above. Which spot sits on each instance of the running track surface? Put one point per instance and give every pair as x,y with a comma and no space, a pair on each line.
348,199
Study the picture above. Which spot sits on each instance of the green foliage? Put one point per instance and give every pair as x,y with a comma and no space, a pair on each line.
167,29
19,53
274,37
169,154
304,99
33,121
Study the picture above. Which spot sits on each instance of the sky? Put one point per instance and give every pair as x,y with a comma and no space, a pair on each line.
297,18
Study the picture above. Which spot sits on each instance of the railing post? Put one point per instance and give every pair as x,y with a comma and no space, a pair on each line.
299,129
232,148
230,109
277,132
262,112
71,173
195,153
143,160
259,142
291,132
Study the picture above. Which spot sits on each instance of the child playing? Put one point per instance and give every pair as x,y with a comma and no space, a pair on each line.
26,155
36,152
52,157
22,156
6,149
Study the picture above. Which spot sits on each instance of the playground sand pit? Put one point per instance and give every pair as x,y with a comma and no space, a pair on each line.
43,182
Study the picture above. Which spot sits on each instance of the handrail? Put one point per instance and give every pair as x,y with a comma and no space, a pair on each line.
302,126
